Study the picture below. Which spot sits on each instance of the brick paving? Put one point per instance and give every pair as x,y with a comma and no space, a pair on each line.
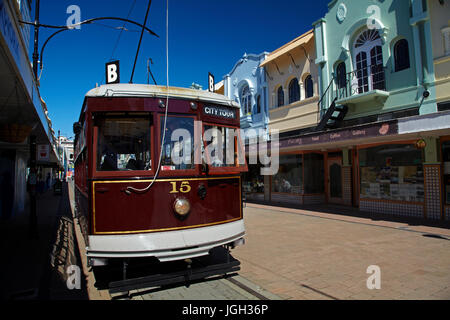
300,254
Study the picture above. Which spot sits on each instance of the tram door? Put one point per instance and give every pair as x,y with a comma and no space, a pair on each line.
335,180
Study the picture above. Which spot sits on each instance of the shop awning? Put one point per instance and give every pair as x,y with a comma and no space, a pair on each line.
303,39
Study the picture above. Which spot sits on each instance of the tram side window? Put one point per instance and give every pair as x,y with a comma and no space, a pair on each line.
178,147
123,144
222,147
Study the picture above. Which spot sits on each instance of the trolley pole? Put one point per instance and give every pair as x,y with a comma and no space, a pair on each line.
36,40
140,40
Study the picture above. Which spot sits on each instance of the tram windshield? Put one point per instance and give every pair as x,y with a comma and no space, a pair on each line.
178,147
123,143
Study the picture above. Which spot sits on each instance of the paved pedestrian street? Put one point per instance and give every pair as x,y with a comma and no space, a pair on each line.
298,254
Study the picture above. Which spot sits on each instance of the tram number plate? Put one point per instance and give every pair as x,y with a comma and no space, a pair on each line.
183,188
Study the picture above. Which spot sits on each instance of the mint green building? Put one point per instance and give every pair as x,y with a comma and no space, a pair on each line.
380,135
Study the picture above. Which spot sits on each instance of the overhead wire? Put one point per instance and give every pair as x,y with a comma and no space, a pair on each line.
129,188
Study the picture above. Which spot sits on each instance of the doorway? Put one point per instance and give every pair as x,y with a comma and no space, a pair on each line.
335,192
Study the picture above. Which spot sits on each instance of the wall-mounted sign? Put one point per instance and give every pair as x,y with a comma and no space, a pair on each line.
112,72
210,82
43,152
220,112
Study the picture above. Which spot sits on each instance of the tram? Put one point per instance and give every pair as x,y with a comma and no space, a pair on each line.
139,191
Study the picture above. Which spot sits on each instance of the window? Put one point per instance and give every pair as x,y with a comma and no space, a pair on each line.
368,62
392,172
123,143
258,104
178,154
401,55
280,96
446,160
252,180
446,39
309,91
289,178
223,147
246,101
341,76
294,91
314,175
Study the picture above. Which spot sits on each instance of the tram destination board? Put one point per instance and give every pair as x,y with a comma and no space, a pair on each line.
220,112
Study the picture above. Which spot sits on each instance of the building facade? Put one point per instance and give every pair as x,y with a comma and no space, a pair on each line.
247,84
440,36
380,138
26,134
293,109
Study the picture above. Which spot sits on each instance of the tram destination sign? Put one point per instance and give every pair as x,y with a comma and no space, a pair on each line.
220,112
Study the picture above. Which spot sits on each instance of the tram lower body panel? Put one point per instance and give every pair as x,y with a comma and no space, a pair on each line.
165,246
127,222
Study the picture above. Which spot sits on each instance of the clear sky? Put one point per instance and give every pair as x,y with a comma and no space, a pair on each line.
204,36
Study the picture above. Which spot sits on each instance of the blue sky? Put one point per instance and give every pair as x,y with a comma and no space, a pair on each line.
204,36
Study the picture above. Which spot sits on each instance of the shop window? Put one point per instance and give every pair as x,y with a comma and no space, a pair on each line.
289,178
253,181
446,160
401,55
314,173
392,172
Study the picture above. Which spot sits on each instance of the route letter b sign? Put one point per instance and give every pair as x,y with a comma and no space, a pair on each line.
112,72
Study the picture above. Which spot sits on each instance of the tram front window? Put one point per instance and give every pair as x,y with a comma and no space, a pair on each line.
178,146
123,143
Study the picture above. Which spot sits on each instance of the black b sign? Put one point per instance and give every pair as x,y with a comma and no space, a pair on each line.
210,82
112,72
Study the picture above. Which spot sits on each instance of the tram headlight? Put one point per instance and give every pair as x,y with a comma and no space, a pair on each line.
182,206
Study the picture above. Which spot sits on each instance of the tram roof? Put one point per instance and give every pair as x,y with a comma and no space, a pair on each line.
145,90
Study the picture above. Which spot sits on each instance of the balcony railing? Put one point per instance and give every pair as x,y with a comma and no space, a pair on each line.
354,83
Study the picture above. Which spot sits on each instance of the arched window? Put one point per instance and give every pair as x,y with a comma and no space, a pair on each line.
280,96
294,91
309,91
401,55
246,101
341,76
368,62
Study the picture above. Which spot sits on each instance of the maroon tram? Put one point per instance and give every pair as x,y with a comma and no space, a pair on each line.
132,198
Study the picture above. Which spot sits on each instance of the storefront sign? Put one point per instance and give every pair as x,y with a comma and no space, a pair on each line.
43,152
366,131
7,29
219,112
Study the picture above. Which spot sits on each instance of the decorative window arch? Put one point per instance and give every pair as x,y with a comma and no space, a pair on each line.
401,55
294,90
280,96
246,100
370,35
309,89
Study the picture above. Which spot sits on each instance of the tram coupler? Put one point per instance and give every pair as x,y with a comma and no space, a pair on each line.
124,269
188,273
